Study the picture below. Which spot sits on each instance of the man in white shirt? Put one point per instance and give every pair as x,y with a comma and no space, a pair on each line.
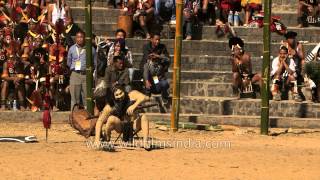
284,70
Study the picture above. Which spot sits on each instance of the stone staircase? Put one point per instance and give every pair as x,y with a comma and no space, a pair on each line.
206,93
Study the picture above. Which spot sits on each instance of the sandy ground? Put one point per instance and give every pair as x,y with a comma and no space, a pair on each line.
234,154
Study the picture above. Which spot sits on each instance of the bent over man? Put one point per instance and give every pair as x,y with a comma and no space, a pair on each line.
122,115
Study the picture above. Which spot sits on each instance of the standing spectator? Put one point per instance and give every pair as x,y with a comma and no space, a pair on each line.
307,8
157,62
77,64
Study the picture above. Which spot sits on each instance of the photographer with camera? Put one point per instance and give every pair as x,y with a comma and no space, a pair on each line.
157,62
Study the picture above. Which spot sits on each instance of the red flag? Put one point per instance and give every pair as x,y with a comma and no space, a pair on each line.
46,119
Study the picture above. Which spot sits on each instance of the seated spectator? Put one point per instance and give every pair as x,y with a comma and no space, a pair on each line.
283,72
230,11
59,10
250,6
157,62
220,12
31,36
190,13
242,75
104,47
165,7
312,71
143,14
117,73
13,78
307,8
119,49
153,46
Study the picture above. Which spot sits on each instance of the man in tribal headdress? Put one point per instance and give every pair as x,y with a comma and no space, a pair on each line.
13,78
29,41
242,75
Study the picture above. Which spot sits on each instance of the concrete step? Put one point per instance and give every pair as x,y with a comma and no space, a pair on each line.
245,107
244,121
208,32
210,47
277,5
205,88
103,14
207,76
204,63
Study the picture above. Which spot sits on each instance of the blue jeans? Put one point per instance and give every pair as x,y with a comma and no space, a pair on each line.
162,87
168,4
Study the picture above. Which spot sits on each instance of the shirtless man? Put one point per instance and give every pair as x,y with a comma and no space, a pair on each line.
123,111
241,66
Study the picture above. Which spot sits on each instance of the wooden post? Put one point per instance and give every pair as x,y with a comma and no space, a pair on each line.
265,89
176,67
89,64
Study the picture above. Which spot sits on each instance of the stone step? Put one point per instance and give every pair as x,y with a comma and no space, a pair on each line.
210,47
208,32
205,88
245,107
277,6
105,14
207,76
204,63
243,121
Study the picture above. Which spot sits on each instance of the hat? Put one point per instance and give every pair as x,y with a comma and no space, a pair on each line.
235,41
290,35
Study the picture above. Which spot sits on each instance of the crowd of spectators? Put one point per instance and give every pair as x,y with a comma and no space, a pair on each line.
43,51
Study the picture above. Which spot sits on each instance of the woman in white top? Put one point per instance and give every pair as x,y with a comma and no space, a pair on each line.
59,10
284,70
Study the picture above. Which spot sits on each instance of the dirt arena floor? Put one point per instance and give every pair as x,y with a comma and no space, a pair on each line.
236,153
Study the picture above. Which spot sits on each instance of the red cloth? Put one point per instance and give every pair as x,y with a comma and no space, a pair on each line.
46,119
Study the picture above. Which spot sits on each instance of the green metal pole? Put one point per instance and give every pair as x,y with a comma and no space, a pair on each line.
89,63
265,89
176,67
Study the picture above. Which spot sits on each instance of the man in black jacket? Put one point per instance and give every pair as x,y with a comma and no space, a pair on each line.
156,64
154,47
